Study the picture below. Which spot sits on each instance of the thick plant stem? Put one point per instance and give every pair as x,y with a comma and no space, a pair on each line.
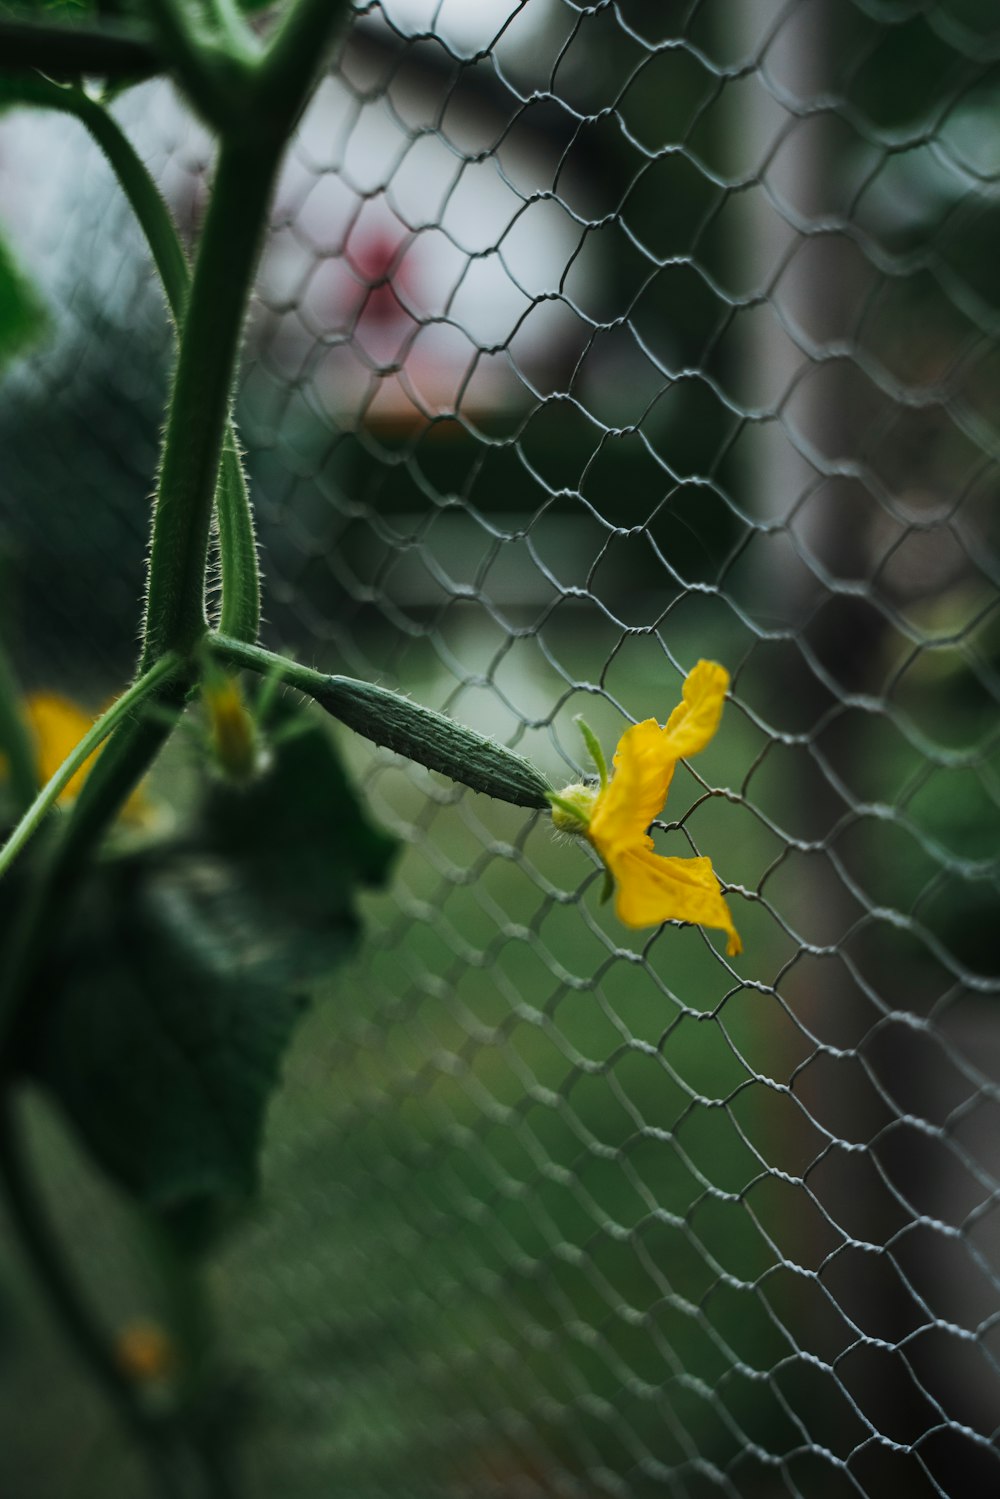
240,609
44,1252
255,104
200,400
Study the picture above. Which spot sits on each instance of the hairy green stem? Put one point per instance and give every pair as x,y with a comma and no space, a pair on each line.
46,799
200,400
255,105
240,608
43,1248
139,188
129,753
239,614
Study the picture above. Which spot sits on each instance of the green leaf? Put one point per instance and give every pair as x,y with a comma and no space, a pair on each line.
67,41
22,318
162,1051
179,982
51,12
302,845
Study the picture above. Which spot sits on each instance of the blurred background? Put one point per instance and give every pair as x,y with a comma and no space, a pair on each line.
589,341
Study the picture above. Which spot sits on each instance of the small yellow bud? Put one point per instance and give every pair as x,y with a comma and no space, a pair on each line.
144,1351
231,728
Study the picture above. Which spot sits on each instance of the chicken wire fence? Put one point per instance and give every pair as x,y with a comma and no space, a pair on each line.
590,341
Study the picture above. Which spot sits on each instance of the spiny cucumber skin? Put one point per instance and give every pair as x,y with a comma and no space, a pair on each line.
424,735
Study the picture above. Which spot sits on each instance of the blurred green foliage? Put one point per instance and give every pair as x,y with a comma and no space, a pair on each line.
171,996
22,319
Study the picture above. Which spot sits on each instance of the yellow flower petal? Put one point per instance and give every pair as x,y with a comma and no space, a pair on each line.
652,889
694,721
643,770
231,728
57,725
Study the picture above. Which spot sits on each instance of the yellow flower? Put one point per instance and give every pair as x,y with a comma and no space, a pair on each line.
615,816
144,1351
57,725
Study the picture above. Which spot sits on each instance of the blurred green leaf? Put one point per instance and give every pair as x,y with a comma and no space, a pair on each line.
180,981
61,12
54,12
302,845
22,317
69,39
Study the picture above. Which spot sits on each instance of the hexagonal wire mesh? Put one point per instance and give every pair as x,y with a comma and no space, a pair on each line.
592,340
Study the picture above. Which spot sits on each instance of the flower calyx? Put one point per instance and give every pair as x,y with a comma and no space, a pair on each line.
573,806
